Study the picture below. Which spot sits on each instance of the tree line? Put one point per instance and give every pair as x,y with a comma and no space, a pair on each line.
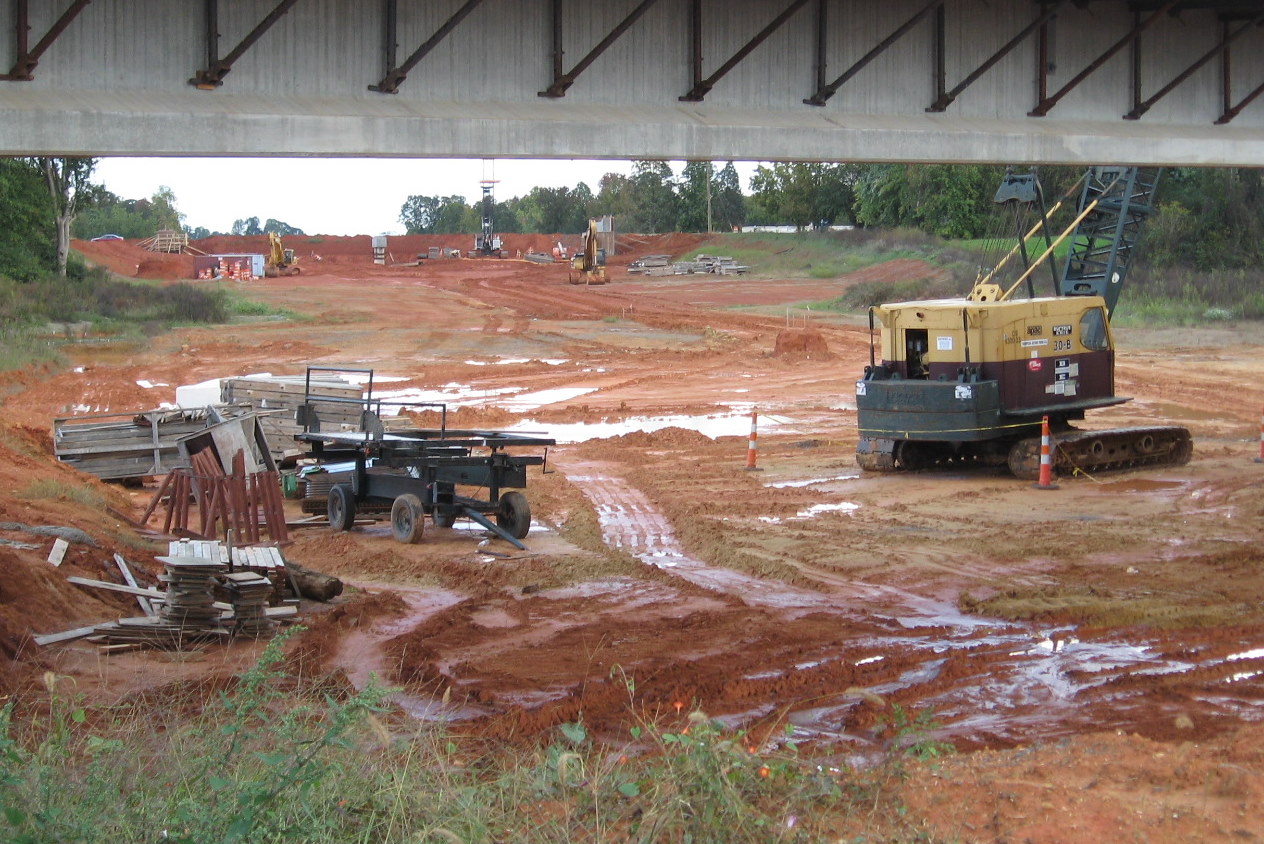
1207,218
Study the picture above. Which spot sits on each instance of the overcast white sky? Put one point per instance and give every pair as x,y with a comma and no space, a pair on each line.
337,195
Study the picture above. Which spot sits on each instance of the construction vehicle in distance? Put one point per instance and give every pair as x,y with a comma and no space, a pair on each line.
280,261
970,380
588,266
487,244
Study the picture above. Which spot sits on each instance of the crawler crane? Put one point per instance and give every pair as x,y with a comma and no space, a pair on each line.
954,381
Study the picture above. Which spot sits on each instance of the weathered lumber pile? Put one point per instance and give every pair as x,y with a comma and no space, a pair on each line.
337,404
116,446
186,612
248,593
248,503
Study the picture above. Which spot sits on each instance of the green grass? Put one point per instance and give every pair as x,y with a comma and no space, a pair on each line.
809,254
46,488
269,757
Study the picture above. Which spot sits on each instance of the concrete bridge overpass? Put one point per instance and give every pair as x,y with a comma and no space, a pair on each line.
1040,81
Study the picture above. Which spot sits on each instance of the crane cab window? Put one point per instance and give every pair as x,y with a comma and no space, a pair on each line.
1093,330
916,347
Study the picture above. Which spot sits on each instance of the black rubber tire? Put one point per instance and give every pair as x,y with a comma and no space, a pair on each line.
442,520
340,507
407,519
513,514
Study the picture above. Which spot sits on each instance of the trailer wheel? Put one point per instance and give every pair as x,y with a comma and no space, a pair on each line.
407,517
340,507
513,514
443,520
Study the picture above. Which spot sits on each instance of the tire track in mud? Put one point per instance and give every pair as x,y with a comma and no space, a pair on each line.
761,654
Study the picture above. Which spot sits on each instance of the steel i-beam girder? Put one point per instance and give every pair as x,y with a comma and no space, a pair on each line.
1131,37
824,92
27,59
946,98
1227,37
395,76
563,81
212,76
702,86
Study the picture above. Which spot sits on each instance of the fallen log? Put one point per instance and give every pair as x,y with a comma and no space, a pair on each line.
314,584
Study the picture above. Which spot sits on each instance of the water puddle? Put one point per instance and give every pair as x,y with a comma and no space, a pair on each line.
629,521
850,476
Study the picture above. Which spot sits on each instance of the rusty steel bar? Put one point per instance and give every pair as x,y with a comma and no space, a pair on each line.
395,76
26,61
563,81
946,98
1047,103
390,35
695,39
822,41
213,75
1142,107
700,89
823,94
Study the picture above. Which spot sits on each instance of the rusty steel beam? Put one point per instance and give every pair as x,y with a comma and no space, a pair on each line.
824,92
212,76
702,86
1133,35
946,98
27,59
563,81
395,76
1142,107
822,41
1231,111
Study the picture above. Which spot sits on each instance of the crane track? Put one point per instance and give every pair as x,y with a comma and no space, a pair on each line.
1077,452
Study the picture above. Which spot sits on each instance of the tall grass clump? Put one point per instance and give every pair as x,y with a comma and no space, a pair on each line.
270,757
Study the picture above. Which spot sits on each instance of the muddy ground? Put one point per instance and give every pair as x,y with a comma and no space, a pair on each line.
1094,653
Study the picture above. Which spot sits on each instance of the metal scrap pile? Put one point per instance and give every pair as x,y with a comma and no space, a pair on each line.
656,265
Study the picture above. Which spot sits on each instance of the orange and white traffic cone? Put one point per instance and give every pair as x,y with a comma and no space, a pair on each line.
1046,457
752,448
1260,459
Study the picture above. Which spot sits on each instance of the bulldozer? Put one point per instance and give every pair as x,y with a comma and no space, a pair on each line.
972,380
280,261
588,266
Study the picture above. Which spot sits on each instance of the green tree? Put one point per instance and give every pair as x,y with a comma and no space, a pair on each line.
696,197
1212,218
437,215
554,210
283,229
950,200
728,206
246,227
68,180
804,195
655,206
27,245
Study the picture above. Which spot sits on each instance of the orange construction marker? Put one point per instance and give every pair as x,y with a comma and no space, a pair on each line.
1046,457
752,447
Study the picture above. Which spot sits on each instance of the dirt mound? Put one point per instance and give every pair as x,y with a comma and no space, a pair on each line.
801,344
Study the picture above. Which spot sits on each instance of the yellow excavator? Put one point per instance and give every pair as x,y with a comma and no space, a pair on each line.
280,261
587,267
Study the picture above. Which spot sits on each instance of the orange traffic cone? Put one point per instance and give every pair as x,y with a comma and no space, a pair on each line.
752,448
1046,457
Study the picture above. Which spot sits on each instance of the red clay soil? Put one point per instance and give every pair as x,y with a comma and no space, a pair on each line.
1093,653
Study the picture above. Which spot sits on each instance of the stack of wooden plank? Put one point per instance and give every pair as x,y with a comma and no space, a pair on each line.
189,600
116,446
249,593
285,393
242,502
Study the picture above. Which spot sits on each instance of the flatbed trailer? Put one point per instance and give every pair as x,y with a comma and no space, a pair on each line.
416,472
